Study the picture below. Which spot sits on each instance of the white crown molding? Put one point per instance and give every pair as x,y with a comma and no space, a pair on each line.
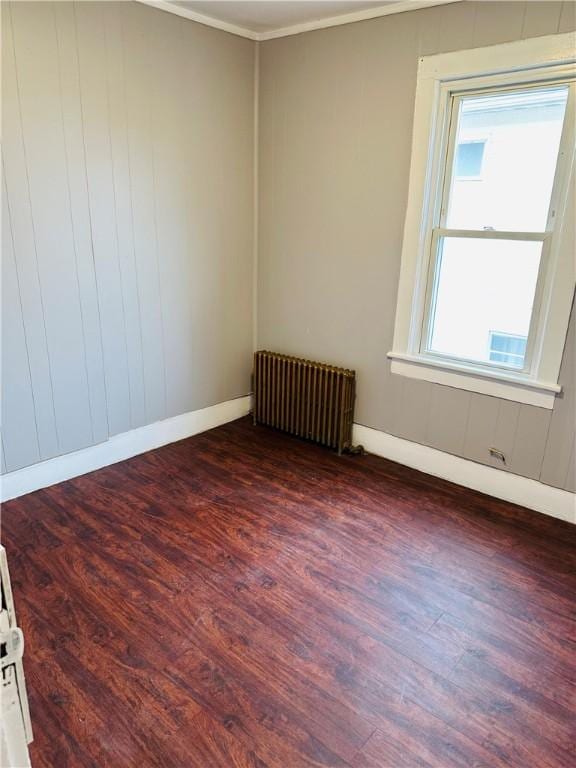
208,21
479,477
120,447
351,18
296,29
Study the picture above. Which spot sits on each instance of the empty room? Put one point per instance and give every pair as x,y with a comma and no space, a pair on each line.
288,385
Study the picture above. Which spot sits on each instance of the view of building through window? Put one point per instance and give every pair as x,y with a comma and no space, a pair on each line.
506,151
469,159
507,349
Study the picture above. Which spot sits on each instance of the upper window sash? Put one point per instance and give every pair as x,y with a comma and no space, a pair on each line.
450,144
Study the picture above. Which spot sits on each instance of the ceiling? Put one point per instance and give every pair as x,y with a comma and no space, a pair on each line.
267,15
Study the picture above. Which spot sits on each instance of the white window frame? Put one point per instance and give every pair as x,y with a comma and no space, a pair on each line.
526,62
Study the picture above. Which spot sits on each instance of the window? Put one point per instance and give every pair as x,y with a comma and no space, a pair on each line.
485,241
507,349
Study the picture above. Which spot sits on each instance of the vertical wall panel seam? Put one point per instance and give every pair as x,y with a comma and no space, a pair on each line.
467,421
571,457
523,25
474,24
117,239
426,432
256,196
81,104
156,239
545,448
73,229
161,299
496,428
157,244
129,163
32,226
494,431
515,436
467,425
564,351
17,276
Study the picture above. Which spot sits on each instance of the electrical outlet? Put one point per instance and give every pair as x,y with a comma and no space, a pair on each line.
497,454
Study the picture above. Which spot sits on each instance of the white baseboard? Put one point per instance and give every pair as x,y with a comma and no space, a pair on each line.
494,482
120,447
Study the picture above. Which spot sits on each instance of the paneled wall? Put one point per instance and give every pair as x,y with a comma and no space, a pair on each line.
335,137
126,221
127,210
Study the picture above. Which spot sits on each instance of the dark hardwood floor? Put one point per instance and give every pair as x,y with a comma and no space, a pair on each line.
242,599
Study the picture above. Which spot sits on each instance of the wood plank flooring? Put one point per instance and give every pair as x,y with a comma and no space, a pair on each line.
243,599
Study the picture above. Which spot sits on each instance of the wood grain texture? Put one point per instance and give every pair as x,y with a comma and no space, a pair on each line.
246,599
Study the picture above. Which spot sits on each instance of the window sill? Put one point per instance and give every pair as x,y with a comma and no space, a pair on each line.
503,384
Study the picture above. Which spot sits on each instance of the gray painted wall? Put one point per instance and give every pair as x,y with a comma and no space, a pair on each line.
127,221
335,132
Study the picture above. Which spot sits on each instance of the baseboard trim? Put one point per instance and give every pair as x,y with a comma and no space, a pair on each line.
494,482
120,447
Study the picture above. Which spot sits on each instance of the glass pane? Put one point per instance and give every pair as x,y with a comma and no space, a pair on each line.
469,158
484,291
505,348
505,159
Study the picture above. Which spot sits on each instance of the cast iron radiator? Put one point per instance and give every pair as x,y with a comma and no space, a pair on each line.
305,398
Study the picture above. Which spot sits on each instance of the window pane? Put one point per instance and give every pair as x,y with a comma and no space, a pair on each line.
484,291
505,348
469,156
505,159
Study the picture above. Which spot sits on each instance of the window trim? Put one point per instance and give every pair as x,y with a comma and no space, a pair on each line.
534,61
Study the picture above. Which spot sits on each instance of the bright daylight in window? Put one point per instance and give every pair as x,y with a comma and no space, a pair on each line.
486,286
502,160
